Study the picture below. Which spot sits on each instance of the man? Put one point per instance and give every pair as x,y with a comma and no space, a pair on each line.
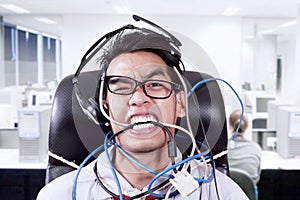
141,95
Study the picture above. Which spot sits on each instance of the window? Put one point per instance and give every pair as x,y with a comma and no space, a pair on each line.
27,52
49,50
10,55
31,57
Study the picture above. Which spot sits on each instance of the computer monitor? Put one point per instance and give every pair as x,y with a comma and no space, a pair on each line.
40,97
262,103
288,133
273,107
33,132
256,103
11,100
12,96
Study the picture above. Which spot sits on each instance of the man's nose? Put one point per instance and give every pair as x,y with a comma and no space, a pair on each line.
139,97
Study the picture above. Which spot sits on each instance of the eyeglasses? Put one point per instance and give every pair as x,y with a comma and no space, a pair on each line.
158,89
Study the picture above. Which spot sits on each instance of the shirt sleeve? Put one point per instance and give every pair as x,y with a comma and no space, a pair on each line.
59,188
227,189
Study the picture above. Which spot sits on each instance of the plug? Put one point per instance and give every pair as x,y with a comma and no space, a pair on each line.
172,151
184,183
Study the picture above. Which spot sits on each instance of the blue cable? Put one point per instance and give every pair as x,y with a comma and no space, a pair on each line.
172,167
219,79
145,167
169,169
80,168
112,168
138,163
200,180
198,142
163,173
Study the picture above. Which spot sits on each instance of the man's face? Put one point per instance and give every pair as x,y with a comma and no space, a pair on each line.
139,107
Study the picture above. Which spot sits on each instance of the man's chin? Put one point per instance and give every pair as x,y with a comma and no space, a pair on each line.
144,132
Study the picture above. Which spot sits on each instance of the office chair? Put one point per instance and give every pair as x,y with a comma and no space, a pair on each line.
73,136
244,180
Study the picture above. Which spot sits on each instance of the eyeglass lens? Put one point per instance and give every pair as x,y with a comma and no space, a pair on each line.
152,88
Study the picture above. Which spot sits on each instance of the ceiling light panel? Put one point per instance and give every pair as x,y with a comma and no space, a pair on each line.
15,8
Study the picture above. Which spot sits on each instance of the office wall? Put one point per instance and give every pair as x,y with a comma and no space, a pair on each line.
1,54
219,37
285,47
296,68
259,62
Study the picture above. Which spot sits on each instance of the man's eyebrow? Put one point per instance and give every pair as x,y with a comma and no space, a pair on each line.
118,80
154,73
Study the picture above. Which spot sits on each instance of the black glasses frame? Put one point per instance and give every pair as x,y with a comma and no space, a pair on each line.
173,86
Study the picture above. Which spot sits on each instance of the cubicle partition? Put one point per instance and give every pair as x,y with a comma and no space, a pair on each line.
20,180
279,179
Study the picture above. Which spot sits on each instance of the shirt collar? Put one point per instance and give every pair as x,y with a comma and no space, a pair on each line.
105,174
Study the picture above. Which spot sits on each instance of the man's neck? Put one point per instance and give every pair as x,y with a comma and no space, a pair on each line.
137,176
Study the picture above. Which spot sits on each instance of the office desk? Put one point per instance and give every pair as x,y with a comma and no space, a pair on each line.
261,135
279,179
23,180
20,180
272,160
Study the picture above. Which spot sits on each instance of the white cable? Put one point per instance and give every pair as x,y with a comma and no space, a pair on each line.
72,164
168,192
178,127
195,147
220,154
209,159
188,132
186,99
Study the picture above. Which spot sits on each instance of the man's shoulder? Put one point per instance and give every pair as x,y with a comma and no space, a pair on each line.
227,188
61,187
57,188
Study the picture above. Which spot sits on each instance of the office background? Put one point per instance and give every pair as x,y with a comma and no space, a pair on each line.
251,50
243,49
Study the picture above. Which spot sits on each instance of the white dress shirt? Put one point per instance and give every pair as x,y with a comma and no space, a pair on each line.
89,188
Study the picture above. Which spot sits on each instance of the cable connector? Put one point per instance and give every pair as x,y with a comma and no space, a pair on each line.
184,183
172,149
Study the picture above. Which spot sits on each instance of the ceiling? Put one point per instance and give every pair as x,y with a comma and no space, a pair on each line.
54,9
248,8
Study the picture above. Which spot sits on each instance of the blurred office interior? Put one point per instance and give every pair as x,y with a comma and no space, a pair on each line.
252,44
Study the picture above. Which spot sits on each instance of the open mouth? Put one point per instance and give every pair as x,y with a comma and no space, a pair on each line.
142,122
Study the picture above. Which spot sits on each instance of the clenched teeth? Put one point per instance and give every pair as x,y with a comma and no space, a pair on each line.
141,122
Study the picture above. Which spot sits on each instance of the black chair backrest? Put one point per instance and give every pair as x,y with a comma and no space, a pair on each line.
244,180
73,136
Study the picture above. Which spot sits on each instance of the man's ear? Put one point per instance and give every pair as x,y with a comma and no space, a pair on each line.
105,106
180,104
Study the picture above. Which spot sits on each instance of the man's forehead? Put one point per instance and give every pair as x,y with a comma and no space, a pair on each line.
144,71
132,59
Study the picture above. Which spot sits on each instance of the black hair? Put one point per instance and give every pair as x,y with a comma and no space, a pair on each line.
137,40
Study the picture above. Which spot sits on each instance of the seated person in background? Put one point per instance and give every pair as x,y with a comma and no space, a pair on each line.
143,99
243,154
